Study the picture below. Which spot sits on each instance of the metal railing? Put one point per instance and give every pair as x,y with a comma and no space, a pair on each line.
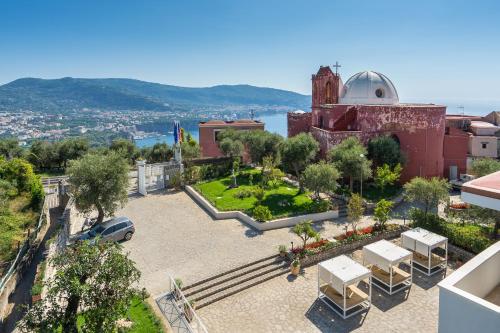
178,311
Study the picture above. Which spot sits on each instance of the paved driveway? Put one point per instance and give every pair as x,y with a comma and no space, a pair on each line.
174,236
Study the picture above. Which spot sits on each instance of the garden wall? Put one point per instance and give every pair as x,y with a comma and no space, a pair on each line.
274,224
350,247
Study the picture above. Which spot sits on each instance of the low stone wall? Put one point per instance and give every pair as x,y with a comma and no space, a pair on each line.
459,252
350,247
274,224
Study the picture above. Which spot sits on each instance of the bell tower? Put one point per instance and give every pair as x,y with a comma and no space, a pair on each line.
325,86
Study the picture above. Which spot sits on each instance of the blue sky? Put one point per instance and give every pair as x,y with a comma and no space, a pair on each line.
431,50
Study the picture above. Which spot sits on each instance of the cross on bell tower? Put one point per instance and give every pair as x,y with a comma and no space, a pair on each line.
337,66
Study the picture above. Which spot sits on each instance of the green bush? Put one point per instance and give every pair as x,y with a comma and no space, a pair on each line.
36,191
176,181
259,194
212,171
262,213
192,174
471,237
243,193
320,206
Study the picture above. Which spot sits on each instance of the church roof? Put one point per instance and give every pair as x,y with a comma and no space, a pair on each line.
324,70
369,87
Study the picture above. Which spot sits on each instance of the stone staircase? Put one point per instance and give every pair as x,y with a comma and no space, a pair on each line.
220,286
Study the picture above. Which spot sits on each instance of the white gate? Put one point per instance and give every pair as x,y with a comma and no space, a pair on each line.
152,177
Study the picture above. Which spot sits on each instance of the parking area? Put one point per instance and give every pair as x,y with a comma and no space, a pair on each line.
174,236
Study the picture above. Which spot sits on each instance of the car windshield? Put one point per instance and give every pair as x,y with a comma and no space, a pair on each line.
96,230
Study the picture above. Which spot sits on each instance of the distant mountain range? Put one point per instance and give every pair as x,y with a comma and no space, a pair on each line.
68,94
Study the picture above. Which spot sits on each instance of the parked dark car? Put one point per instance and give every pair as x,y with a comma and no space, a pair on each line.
116,229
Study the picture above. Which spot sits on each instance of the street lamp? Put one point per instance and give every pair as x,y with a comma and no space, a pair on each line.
361,177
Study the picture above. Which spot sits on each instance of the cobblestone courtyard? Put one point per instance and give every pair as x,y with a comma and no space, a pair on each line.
287,304
174,236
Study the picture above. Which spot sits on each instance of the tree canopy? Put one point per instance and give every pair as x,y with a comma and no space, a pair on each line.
321,177
231,147
350,158
95,279
126,149
428,192
99,182
9,148
385,150
484,166
160,152
385,176
297,152
305,231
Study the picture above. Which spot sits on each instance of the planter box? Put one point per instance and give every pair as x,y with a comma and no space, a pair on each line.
349,247
269,225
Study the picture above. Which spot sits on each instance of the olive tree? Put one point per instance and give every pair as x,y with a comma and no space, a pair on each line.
99,182
321,177
305,231
428,192
484,166
350,158
385,150
297,152
95,282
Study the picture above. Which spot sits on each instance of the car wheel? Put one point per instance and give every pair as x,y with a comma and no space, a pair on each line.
128,236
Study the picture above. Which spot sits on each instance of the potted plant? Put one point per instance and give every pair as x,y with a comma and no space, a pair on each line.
178,284
295,267
282,250
188,310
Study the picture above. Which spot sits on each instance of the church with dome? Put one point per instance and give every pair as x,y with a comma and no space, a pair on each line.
366,106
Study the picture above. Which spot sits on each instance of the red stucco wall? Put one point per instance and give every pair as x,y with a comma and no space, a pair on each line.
208,145
419,129
298,123
455,150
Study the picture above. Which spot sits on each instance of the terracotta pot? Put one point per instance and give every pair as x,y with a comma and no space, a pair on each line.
35,298
295,270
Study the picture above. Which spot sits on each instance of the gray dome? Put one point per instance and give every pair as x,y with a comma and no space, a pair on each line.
369,88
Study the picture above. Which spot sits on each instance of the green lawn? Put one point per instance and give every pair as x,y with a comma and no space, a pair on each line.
145,321
284,200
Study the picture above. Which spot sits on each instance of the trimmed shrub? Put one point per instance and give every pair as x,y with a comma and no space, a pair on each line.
262,213
320,206
471,237
243,193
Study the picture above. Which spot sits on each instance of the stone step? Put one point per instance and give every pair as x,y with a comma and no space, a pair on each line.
237,281
227,292
231,271
234,277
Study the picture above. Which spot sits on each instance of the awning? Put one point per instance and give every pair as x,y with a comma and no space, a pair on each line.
341,271
483,192
385,254
421,240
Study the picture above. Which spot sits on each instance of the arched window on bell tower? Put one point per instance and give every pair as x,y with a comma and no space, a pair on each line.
328,93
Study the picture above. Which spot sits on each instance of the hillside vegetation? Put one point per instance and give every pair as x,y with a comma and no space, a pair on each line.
126,94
